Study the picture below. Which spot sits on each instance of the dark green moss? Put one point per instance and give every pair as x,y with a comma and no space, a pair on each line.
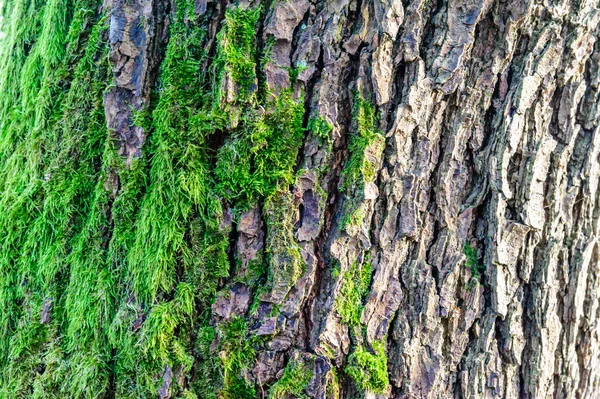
472,263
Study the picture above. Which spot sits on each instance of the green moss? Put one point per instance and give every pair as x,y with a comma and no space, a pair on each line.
332,390
365,147
361,167
355,286
283,252
353,216
237,356
293,382
58,152
369,369
472,263
321,129
261,153
236,50
130,257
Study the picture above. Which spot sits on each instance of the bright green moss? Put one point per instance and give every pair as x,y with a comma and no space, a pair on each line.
261,154
353,216
321,129
369,369
179,168
236,50
360,167
355,286
292,383
49,179
237,357
130,256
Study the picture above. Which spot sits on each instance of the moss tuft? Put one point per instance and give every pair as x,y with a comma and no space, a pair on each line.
236,50
472,263
355,286
293,382
237,357
365,146
261,153
369,370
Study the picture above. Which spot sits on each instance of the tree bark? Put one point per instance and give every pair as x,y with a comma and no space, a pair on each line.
323,199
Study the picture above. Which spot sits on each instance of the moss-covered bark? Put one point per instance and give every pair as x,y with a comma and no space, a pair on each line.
286,199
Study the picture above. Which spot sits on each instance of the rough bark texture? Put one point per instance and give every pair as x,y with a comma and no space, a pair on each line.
436,235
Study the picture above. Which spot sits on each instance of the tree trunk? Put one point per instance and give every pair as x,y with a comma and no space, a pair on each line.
287,199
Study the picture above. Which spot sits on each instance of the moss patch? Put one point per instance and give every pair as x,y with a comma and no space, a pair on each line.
473,265
365,147
292,383
283,252
237,357
355,286
236,51
369,369
261,153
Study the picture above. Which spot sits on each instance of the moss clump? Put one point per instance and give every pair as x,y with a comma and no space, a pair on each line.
321,129
237,356
292,383
236,50
332,390
355,286
369,370
283,252
473,265
261,153
353,216
365,146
